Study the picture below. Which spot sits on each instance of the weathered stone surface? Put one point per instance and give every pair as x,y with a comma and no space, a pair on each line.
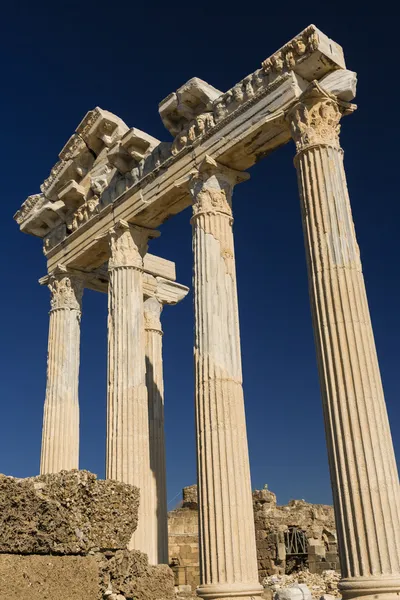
113,575
297,591
320,585
128,572
316,521
42,577
189,496
65,513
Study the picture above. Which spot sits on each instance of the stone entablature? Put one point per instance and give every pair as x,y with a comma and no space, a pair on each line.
105,159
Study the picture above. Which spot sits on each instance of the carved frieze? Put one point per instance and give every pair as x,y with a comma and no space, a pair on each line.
83,214
56,235
287,57
73,147
104,158
31,203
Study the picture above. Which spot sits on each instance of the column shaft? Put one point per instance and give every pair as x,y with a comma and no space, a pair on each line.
361,457
155,389
60,438
127,409
226,526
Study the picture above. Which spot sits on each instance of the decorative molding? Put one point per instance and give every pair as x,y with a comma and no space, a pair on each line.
66,290
287,57
31,203
128,245
152,312
211,188
310,54
314,120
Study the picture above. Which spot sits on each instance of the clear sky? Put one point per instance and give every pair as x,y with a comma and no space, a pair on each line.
58,60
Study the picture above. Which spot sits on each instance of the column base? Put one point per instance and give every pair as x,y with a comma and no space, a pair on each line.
373,587
230,590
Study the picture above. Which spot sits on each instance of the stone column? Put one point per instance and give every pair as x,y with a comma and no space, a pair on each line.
362,463
128,457
158,524
60,438
228,561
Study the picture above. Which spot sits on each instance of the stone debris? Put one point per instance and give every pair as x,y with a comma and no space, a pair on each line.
127,574
324,584
296,591
71,512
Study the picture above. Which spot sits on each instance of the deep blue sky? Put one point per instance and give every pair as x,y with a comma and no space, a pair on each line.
61,59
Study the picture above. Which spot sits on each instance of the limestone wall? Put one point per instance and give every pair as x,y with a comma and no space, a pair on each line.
315,523
272,524
183,540
68,532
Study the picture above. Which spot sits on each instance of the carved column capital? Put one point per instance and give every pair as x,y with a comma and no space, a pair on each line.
66,289
128,245
314,120
211,186
152,314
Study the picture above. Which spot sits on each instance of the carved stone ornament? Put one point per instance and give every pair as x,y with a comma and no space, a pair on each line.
152,311
212,200
128,245
66,290
315,121
211,188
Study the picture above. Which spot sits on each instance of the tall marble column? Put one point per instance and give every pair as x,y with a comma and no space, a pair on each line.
362,463
128,458
158,524
228,561
60,438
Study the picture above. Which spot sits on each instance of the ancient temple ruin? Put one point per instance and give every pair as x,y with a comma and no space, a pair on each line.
97,213
292,537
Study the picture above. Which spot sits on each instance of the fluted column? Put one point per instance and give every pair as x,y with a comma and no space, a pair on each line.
60,438
128,457
362,463
158,525
228,560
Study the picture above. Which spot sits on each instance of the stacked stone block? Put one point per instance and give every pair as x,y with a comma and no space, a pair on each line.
271,522
68,531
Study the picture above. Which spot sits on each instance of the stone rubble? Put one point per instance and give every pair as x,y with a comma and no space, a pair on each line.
71,512
318,584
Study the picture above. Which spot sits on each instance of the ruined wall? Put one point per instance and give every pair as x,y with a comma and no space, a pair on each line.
183,540
297,535
68,532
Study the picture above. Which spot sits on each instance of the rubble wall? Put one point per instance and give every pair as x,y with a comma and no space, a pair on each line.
314,522
67,533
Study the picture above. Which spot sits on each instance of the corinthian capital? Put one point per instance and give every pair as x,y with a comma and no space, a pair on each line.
66,289
128,245
211,187
314,120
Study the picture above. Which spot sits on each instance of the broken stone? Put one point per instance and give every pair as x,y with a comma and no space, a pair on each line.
65,513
